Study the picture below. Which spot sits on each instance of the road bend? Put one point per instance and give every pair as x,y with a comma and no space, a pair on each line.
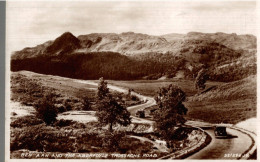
229,148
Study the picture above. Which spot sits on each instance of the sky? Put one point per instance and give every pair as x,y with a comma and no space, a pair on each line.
33,23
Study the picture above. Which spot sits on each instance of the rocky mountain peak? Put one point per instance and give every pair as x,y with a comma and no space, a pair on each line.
67,42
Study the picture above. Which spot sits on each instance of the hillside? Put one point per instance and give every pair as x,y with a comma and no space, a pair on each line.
141,56
231,102
242,89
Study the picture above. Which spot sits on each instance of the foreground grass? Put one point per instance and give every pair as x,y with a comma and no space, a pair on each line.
30,136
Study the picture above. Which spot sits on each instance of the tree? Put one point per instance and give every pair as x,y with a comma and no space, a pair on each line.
46,109
103,91
201,79
171,111
129,93
111,110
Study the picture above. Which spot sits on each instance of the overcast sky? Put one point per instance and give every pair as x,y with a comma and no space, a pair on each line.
32,23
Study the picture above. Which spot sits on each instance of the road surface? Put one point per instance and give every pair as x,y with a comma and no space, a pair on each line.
230,148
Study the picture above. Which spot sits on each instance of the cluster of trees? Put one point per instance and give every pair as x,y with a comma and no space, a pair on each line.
232,73
102,64
115,66
119,67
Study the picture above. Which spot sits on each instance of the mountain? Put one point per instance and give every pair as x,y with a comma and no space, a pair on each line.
135,56
124,43
130,43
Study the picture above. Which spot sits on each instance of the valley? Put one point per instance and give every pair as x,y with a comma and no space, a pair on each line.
75,120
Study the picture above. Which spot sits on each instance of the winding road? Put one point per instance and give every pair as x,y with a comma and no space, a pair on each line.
231,148
239,142
149,101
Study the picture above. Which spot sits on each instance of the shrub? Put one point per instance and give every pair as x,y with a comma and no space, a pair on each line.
46,109
25,121
134,98
27,91
133,146
51,139
67,105
26,139
111,141
86,103
61,109
64,123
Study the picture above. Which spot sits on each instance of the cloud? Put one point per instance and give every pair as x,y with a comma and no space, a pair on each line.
224,6
33,22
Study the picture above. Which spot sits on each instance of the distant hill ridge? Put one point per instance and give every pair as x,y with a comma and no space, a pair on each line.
130,43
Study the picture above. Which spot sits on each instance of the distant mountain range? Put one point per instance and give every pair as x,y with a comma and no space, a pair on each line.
156,56
135,43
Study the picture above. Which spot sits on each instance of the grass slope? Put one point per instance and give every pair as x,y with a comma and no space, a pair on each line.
151,87
227,103
28,87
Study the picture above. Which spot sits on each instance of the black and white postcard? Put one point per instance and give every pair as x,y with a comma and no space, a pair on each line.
131,80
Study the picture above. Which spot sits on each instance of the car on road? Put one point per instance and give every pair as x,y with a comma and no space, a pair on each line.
220,131
140,114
